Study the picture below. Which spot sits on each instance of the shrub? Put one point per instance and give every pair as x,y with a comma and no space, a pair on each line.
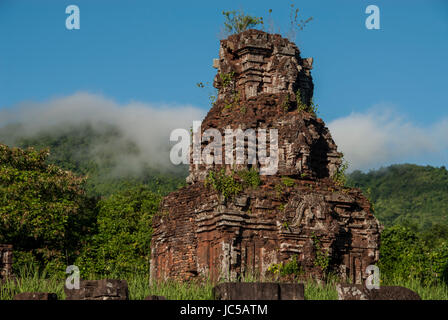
250,177
404,256
340,177
302,106
236,22
224,184
291,267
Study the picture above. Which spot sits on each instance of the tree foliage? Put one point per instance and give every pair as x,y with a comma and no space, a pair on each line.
122,243
405,255
44,211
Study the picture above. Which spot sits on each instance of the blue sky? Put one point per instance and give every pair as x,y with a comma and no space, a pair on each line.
156,51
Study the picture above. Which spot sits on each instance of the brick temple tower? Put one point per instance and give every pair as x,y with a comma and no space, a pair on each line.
263,82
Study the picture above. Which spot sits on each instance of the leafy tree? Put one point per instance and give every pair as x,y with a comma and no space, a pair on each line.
44,211
122,244
404,255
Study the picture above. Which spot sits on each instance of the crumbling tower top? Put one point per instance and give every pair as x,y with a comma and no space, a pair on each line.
263,84
263,63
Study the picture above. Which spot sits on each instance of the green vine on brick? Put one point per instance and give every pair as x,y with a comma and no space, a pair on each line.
226,78
227,185
322,256
287,181
278,189
250,177
339,177
286,103
301,106
233,101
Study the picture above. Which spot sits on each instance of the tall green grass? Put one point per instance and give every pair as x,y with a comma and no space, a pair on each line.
32,280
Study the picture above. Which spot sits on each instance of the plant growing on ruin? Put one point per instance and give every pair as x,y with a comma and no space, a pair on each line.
296,24
226,78
286,103
250,177
238,21
278,189
235,99
227,185
322,259
301,106
213,94
291,267
340,177
287,181
313,107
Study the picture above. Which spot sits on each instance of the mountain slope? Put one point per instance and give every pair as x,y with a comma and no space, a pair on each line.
406,194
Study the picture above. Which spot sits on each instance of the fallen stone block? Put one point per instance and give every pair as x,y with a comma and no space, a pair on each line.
259,291
35,296
360,292
155,298
106,289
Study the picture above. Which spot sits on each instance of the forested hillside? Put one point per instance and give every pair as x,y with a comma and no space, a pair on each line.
407,194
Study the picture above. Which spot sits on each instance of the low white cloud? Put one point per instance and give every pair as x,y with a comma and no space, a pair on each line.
380,137
147,126
368,140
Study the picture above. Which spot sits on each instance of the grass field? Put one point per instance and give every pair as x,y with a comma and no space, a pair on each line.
139,288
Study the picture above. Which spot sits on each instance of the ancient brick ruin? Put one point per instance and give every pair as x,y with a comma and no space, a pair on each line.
299,211
5,261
